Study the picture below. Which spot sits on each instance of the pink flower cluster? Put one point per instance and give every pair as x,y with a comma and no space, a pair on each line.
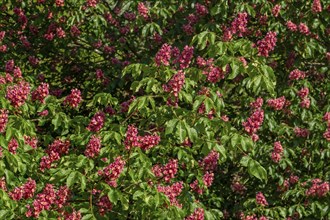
25,191
239,24
112,171
96,122
291,26
198,214
277,104
184,59
267,44
201,10
91,3
316,6
144,142
124,106
46,199
18,93
251,217
301,132
303,28
326,118
93,147
75,32
276,10
318,188
207,181
10,64
109,110
257,104
163,56
261,200
3,120
175,84
213,73
201,110
167,171
41,92
104,205
59,3
253,123
3,184
277,152
210,162
12,146
297,74
237,187
54,153
73,99
75,215
305,101
172,192
31,141
143,10
167,52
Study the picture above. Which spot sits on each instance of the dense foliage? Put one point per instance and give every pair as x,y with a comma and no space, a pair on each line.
164,109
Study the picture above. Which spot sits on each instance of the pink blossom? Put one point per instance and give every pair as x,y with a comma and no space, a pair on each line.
305,103
254,122
12,146
239,24
111,173
267,44
96,122
3,120
104,205
261,200
210,162
31,141
91,3
175,84
18,93
163,56
167,171
303,28
59,3
73,99
296,74
201,10
291,26
93,147
316,6
143,10
172,192
198,214
277,104
276,10
41,92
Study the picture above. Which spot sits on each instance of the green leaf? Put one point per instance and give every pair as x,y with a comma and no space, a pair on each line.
257,170
180,131
113,196
71,178
245,160
88,217
222,152
170,125
82,182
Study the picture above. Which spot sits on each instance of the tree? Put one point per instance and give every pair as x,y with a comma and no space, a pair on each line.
159,110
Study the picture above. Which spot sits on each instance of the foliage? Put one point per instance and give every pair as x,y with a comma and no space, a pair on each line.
164,110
